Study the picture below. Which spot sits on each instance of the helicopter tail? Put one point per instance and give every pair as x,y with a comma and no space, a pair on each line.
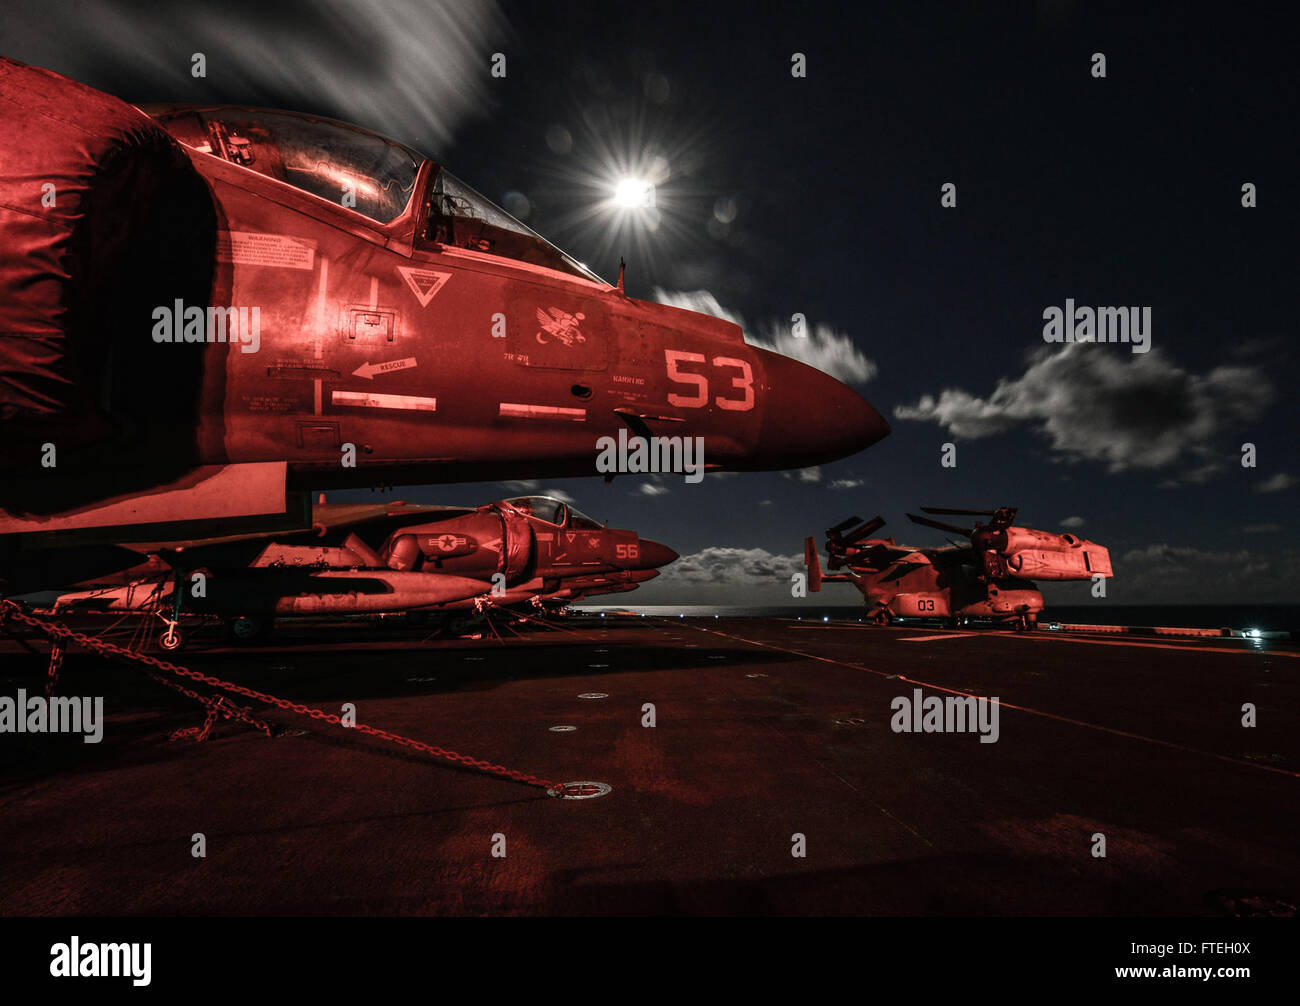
813,563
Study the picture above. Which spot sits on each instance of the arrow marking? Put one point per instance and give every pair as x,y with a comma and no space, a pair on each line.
368,370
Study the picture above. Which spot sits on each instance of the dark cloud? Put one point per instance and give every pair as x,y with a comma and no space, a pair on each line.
1165,573
1276,483
1130,411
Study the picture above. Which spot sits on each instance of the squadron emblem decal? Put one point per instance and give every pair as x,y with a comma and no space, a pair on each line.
560,326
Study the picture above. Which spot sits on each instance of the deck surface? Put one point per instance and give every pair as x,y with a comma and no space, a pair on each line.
765,729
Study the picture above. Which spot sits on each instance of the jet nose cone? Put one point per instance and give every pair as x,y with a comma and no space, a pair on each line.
653,555
810,418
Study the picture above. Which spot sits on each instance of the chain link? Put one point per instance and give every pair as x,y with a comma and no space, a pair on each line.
9,611
215,705
56,665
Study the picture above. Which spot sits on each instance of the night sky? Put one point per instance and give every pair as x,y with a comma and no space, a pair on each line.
821,196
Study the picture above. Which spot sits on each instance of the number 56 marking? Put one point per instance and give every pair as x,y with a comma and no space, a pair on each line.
745,382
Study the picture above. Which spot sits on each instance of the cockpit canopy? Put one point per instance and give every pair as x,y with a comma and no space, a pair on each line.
348,166
553,511
361,171
462,218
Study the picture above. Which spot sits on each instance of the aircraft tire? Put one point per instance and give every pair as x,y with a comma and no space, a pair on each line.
245,629
171,639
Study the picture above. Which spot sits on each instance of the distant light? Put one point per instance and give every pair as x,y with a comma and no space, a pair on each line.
826,618
602,614
1253,633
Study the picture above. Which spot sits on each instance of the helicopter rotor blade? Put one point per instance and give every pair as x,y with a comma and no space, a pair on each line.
866,530
939,525
841,527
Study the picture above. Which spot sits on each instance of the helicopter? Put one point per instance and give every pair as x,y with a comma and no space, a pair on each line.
988,579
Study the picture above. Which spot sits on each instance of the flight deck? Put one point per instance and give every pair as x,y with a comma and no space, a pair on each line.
773,780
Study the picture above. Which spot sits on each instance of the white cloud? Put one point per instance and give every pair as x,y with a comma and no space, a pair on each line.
732,566
697,300
1130,411
1073,522
847,483
829,351
415,70
652,489
822,347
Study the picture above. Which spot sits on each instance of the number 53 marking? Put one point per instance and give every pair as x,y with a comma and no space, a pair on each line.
745,382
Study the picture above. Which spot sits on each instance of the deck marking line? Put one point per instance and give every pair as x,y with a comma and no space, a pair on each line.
1008,705
1181,647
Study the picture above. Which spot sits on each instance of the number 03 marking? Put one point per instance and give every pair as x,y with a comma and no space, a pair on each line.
745,382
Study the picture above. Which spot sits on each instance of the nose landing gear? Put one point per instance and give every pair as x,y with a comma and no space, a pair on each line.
172,638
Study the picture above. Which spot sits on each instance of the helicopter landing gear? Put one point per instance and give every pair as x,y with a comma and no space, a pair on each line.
880,617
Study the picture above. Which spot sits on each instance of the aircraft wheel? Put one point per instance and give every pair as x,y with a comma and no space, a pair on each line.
245,630
880,618
172,639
